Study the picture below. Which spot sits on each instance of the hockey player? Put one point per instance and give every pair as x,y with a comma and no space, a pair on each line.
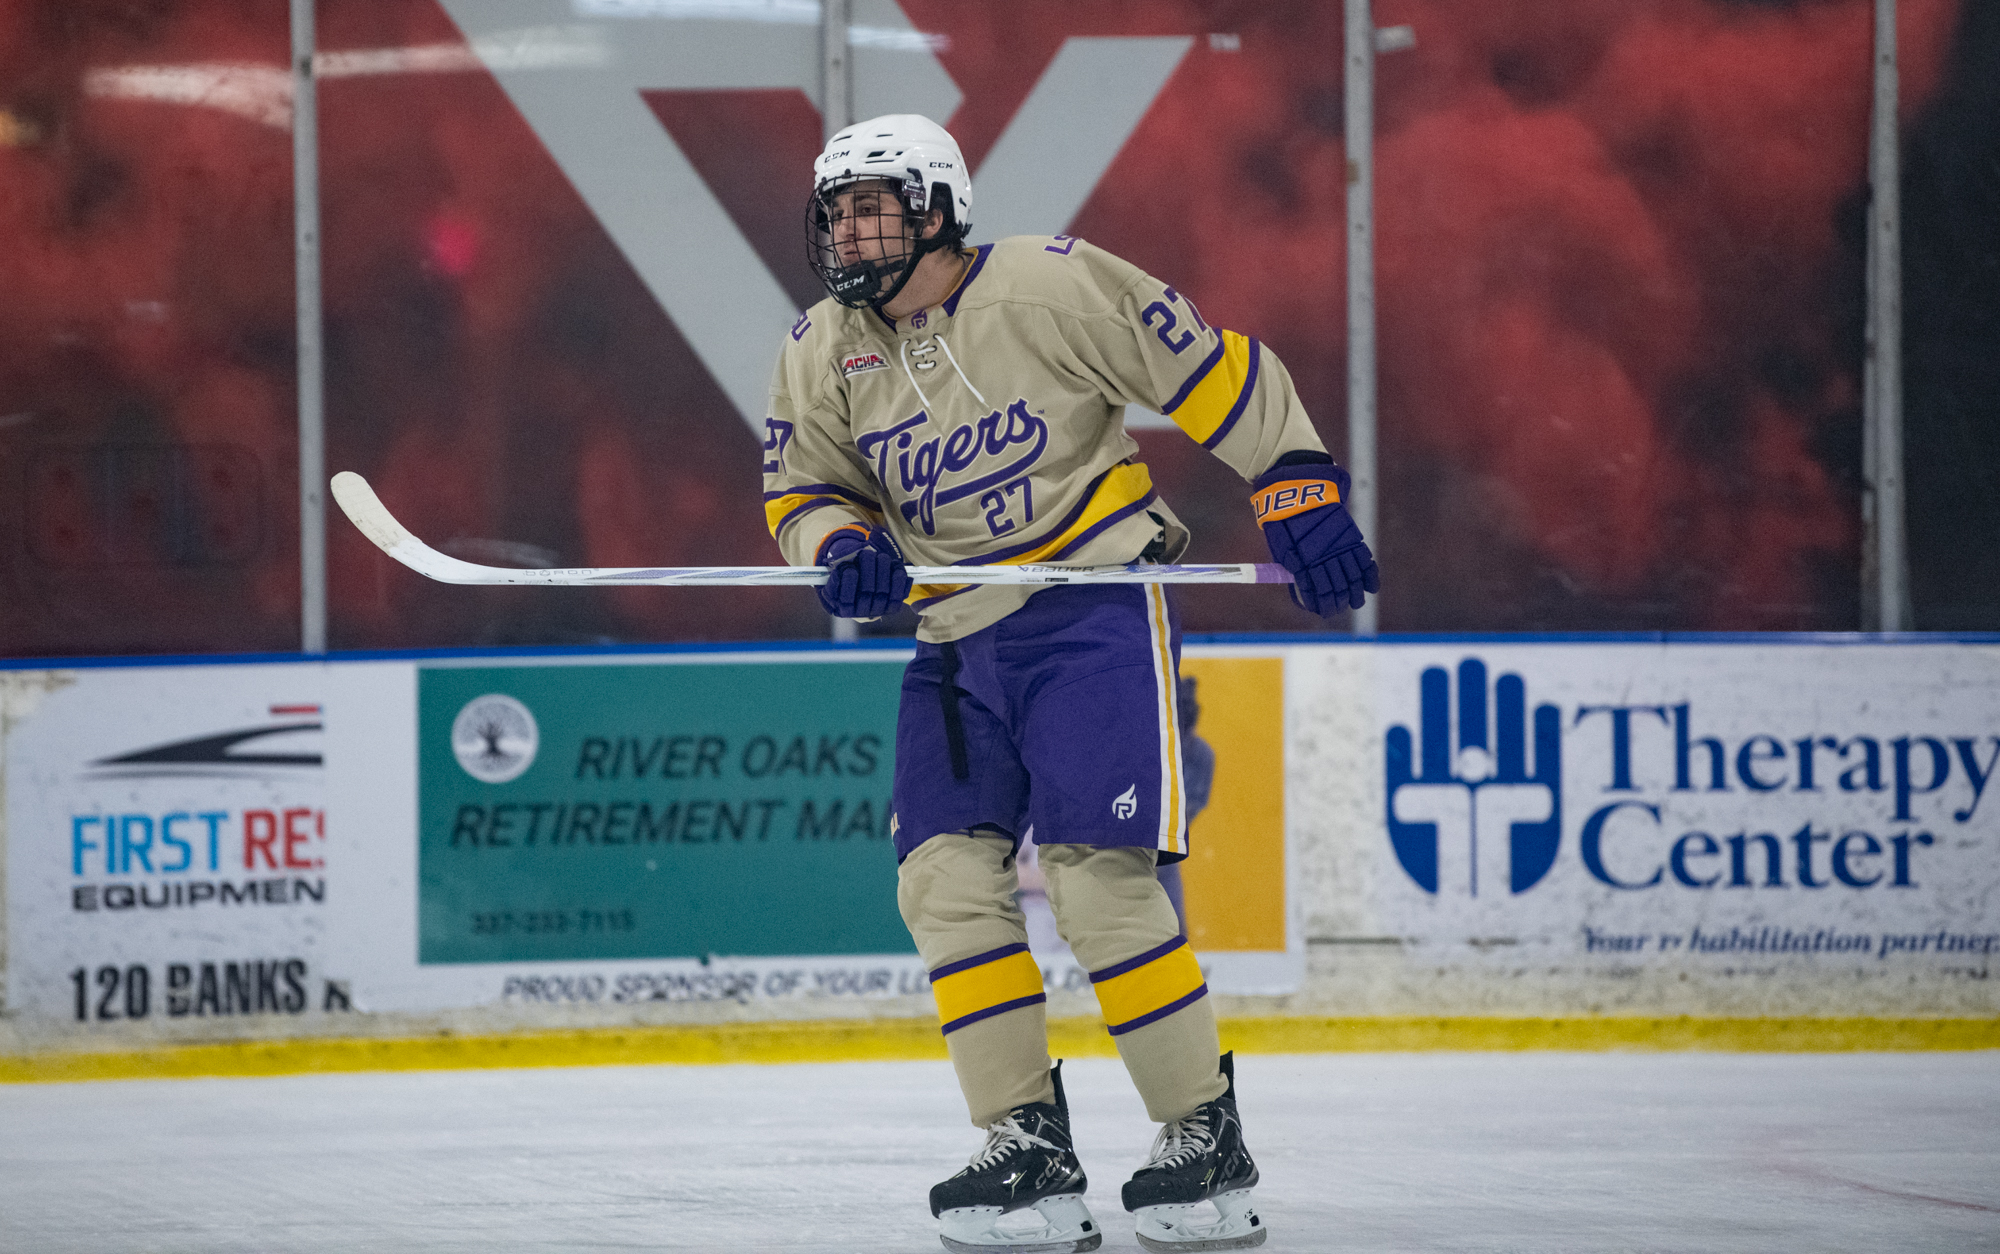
954,405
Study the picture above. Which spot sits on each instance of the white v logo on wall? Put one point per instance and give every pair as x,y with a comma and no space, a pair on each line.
1728,798
576,68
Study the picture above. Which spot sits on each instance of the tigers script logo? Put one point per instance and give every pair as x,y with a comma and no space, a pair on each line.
923,470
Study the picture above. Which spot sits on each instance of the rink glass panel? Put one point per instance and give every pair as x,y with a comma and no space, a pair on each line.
1619,261
676,811
148,434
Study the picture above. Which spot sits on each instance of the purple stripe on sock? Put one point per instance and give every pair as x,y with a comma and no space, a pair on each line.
1133,964
1200,373
978,960
1140,1022
1242,399
1001,1009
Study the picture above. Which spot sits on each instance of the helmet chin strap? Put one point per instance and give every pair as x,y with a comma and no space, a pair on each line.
847,283
875,272
902,281
925,247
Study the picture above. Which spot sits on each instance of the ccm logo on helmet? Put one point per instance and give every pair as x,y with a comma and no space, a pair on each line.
861,363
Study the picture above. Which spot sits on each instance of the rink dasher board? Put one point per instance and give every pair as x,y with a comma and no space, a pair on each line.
1731,827
133,790
191,843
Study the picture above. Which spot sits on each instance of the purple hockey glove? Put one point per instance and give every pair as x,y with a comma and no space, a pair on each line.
865,573
1301,508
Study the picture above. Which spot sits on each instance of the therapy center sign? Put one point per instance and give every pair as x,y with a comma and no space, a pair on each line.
1752,801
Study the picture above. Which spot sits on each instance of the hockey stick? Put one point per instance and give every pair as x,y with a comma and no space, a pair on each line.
368,513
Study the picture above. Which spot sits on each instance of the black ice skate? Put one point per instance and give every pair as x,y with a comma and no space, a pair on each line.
1198,1158
1028,1162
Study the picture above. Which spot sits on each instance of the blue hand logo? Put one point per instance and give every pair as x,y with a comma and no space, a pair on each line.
1437,797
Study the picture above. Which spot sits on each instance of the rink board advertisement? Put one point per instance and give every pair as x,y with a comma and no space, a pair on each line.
192,843
1821,810
1753,827
656,812
167,852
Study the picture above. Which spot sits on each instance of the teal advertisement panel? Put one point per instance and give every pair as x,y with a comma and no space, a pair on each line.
650,811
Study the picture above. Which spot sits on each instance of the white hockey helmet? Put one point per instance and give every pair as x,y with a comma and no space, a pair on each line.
922,161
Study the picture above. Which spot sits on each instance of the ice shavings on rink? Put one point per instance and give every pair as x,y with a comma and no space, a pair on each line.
1449,1152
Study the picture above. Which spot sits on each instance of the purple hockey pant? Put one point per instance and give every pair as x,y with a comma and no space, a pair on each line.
1067,721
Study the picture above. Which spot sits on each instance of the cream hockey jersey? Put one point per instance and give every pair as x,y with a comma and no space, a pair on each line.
990,428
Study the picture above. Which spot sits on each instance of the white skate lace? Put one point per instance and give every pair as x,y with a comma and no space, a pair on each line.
1001,1137
1181,1142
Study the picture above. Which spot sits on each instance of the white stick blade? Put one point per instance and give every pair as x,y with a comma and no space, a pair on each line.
365,510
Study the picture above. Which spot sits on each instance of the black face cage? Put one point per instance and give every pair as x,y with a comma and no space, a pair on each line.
866,282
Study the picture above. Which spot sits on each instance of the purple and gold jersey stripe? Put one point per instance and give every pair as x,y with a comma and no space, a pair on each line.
1215,395
782,509
925,595
958,291
1149,987
1118,493
985,985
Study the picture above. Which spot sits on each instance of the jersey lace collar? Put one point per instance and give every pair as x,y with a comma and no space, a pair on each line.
948,306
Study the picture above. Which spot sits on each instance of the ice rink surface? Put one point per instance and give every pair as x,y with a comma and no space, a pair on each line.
1450,1152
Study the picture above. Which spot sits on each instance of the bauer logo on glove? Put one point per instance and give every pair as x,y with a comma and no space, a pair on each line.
1302,509
1293,496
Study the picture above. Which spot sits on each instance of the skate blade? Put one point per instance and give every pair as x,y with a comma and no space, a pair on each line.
1184,1227
1067,1228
